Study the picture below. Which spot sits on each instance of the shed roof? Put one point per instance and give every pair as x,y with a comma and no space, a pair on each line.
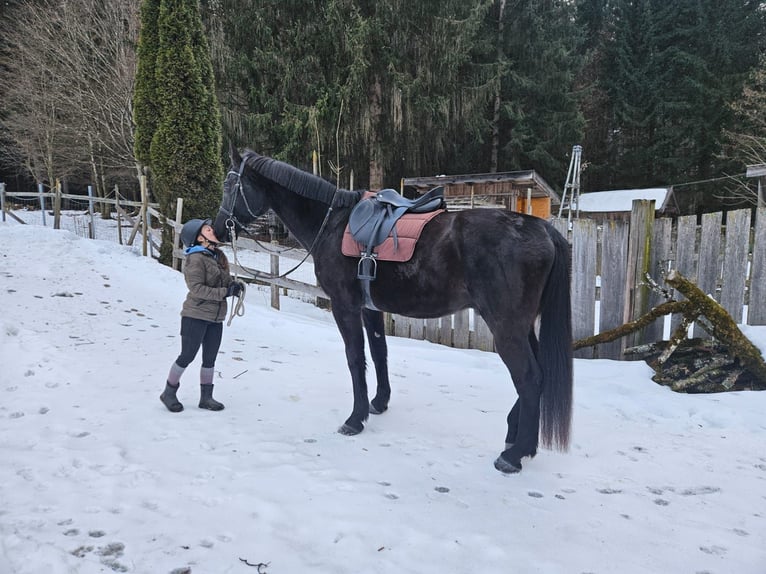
619,200
521,179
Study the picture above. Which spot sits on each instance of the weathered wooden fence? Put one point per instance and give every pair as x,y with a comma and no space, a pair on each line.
724,256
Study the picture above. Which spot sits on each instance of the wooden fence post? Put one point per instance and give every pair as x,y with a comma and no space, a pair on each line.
756,309
614,253
735,262
57,206
660,254
119,214
709,260
639,260
92,230
274,273
42,201
2,200
584,236
143,216
176,233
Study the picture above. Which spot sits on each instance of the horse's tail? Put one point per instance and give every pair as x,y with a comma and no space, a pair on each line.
555,349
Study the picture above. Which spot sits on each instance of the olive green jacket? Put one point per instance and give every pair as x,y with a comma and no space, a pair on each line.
207,277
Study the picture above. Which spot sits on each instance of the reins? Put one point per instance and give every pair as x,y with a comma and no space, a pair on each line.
232,220
238,308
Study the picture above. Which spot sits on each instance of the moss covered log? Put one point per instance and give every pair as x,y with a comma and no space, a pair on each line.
721,326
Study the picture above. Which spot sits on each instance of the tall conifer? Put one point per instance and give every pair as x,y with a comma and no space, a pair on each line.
184,153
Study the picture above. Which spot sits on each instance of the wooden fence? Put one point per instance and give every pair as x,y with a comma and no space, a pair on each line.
724,256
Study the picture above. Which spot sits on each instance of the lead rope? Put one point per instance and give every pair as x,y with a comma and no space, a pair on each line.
238,307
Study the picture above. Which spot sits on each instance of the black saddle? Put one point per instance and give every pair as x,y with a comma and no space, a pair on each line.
373,219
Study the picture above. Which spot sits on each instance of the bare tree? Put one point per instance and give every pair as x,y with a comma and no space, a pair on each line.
68,68
748,143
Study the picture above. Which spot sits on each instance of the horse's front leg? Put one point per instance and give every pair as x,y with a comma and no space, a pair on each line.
350,326
376,340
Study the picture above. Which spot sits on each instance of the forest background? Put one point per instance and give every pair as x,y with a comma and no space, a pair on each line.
658,93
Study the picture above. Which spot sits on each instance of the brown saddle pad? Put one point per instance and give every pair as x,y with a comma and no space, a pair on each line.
408,230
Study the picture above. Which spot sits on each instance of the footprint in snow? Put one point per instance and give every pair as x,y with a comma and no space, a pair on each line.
714,550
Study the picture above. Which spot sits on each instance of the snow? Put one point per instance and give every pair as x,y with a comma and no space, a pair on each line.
620,199
97,476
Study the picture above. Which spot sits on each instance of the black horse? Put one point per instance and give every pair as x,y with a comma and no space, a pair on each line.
511,268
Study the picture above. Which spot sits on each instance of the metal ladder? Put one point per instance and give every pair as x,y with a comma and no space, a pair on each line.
571,196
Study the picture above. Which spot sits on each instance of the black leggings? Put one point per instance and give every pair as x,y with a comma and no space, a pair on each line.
196,333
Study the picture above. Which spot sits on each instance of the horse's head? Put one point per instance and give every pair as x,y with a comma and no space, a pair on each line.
243,199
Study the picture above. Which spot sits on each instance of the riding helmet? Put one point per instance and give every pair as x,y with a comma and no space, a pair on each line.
190,231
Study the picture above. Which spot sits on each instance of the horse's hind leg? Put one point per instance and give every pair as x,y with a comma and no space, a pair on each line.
376,339
513,416
524,419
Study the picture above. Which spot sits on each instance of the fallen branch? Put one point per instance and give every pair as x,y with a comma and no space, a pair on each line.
633,326
729,361
721,326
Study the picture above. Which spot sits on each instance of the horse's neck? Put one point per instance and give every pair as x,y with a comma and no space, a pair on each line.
302,216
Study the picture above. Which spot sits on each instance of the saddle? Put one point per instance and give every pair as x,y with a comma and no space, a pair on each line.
374,219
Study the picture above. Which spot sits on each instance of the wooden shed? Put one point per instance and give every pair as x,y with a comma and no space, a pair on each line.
618,203
522,191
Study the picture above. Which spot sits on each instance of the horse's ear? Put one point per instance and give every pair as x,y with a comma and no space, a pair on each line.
236,159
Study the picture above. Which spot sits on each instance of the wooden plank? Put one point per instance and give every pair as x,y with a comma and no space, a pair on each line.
735,262
266,279
614,252
709,260
445,331
432,330
756,308
584,237
562,226
401,326
461,331
658,269
483,338
639,251
80,198
417,328
685,260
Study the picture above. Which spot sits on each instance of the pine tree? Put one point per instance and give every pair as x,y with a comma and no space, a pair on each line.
145,111
533,58
184,153
372,86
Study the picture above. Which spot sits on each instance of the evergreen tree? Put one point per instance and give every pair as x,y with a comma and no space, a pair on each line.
375,85
671,74
632,82
536,113
595,19
145,110
185,147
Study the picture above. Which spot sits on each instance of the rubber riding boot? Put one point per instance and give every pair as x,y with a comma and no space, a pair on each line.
169,399
206,400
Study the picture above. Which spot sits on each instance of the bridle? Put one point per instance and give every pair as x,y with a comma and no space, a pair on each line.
232,221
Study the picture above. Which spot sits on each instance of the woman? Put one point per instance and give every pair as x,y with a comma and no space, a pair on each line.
206,271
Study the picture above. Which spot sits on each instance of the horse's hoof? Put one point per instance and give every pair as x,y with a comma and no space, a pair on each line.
348,430
377,411
506,467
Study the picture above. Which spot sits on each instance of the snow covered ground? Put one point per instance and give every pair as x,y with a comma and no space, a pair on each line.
96,476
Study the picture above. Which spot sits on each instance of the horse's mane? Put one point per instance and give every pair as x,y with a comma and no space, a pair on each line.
299,181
